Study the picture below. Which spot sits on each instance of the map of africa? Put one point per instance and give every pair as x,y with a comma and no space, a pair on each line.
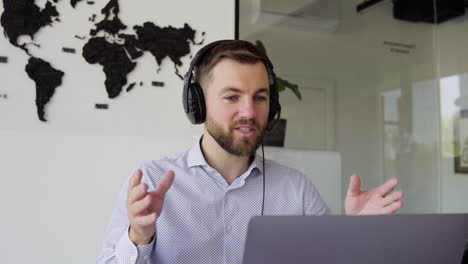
106,45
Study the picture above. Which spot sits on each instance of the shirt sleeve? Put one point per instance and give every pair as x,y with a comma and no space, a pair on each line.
313,202
117,246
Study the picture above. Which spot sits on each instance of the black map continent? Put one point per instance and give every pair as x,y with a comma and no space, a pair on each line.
115,62
165,42
47,79
116,58
24,17
112,26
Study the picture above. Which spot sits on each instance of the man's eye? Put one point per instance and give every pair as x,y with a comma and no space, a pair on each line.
231,98
260,98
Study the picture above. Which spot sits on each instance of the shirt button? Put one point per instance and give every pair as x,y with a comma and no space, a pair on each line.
229,228
145,257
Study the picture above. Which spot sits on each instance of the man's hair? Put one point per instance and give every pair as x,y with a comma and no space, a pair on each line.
237,50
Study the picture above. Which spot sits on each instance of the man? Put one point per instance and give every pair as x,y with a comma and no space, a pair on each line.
194,207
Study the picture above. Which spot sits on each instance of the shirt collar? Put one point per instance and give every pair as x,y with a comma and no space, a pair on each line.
195,158
195,155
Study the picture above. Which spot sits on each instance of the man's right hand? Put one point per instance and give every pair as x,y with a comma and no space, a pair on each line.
144,208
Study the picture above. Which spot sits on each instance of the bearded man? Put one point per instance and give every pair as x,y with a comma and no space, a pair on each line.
194,207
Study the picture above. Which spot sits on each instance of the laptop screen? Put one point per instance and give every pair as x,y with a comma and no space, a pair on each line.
429,239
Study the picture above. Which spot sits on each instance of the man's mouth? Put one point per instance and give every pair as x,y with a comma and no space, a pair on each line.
245,130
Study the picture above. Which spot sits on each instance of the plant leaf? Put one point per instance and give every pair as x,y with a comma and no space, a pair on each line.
260,46
283,84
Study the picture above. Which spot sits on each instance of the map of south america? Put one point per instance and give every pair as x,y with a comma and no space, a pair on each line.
46,78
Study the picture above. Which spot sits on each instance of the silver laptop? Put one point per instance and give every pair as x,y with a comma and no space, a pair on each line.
428,239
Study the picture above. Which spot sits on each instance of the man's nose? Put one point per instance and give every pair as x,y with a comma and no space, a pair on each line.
247,110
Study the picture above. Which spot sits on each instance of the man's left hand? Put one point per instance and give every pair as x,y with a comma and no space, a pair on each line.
378,201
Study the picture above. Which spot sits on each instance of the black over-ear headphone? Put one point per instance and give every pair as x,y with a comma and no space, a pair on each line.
193,99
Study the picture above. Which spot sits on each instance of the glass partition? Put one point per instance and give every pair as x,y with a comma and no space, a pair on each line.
384,85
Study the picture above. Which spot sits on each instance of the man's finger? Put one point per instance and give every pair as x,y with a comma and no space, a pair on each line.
137,193
387,187
135,179
165,183
139,207
354,188
392,208
393,197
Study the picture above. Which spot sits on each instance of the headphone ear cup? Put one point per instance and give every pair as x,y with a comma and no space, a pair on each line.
272,112
196,104
274,103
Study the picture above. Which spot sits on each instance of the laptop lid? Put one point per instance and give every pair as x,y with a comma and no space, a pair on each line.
429,239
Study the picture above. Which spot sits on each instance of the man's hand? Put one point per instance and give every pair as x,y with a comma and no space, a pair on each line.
144,208
378,201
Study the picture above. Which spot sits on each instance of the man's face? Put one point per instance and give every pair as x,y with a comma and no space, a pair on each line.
237,104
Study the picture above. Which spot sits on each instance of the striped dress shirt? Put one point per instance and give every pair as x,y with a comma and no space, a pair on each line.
204,219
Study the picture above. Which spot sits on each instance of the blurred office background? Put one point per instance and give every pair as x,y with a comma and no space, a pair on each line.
384,86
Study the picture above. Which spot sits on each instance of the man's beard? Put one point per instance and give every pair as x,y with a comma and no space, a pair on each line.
225,139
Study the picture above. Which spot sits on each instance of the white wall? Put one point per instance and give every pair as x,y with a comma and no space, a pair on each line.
58,190
322,167
60,179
